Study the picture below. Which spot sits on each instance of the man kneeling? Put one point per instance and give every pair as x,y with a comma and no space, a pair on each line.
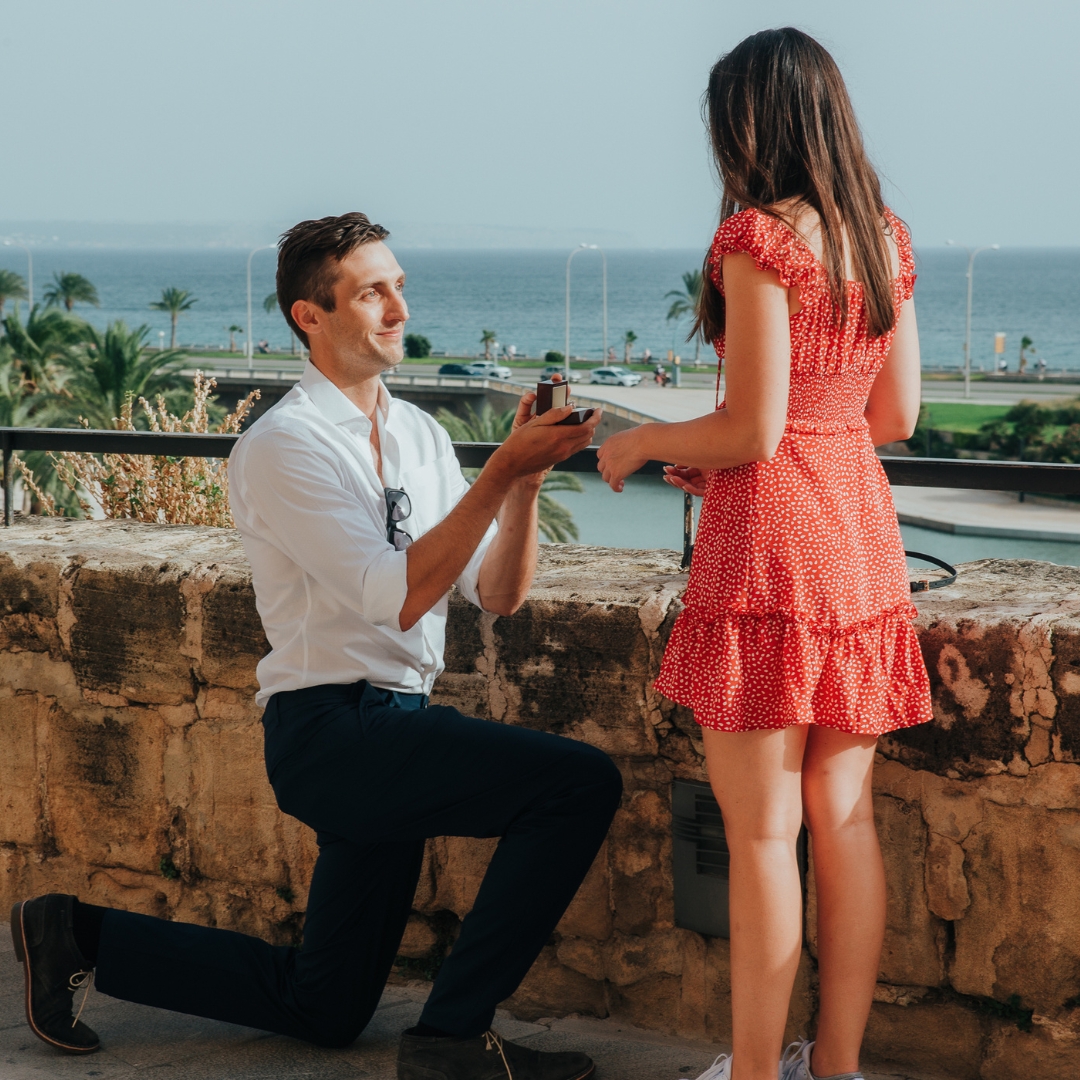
356,520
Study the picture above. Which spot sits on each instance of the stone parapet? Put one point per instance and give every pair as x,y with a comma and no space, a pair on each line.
131,773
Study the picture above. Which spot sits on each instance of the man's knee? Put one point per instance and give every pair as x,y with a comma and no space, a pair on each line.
595,776
333,1032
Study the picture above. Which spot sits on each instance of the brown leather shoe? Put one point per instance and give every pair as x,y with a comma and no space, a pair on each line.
53,969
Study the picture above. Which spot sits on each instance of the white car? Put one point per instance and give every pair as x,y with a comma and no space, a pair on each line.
559,369
614,376
489,369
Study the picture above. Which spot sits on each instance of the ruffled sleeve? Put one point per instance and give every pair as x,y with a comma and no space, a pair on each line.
906,278
769,242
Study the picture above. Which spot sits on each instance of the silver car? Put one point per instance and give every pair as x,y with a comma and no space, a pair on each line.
558,369
614,376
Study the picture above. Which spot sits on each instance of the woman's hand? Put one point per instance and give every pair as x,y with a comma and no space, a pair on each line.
619,456
687,478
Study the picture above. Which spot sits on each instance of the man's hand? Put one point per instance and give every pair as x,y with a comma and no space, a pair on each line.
619,456
537,442
513,475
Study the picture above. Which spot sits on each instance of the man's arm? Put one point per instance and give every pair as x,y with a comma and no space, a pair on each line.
512,476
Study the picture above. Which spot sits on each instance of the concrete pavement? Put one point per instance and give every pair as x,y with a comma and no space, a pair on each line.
140,1043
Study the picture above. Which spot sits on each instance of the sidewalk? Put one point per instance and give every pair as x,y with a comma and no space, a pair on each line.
986,513
141,1043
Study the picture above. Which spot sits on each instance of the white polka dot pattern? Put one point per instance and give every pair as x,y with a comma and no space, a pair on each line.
798,608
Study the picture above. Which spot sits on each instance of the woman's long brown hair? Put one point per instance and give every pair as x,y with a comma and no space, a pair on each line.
782,128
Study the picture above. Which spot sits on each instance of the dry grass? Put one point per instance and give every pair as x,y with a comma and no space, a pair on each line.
164,490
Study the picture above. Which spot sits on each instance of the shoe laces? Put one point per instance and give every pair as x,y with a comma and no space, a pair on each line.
81,980
720,1069
492,1040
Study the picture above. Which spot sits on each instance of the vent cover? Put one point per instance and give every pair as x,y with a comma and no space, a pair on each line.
700,860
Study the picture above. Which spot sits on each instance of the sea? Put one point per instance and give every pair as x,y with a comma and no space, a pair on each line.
521,296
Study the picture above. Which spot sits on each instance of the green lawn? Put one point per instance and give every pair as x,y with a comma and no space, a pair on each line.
955,416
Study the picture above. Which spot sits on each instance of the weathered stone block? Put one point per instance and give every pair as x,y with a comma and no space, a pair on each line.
914,938
131,773
1051,1051
1019,936
942,1039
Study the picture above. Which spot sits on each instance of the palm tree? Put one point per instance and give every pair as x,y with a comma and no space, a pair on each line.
43,345
487,339
686,303
174,301
69,290
234,329
1025,344
12,287
556,522
628,343
113,367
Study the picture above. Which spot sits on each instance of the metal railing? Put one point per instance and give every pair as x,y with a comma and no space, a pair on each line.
1046,479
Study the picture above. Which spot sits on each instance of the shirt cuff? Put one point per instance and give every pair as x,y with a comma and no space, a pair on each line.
385,587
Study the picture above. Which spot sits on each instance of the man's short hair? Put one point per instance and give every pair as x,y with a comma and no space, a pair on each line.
308,259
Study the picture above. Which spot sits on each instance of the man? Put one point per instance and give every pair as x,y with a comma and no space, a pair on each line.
356,521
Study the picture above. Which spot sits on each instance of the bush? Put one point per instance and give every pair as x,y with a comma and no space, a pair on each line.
165,490
417,346
554,358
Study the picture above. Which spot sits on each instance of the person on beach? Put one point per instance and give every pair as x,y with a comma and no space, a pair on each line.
356,521
796,649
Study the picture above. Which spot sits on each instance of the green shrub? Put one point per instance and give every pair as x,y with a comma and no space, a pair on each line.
417,346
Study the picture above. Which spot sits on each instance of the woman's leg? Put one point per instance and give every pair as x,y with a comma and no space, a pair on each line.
756,776
850,877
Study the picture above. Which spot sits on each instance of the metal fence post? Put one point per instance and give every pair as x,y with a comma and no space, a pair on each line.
687,530
9,479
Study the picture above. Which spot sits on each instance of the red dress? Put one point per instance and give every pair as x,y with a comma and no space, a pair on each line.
798,608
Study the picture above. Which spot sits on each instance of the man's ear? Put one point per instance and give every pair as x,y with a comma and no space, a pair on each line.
306,315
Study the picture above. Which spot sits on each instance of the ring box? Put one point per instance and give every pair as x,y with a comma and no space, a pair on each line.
554,394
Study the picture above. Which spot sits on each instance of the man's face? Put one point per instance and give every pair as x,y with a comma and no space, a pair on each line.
364,331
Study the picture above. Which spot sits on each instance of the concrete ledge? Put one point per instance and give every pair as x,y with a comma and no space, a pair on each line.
131,773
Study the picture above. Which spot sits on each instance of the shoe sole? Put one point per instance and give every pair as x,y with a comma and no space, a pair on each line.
22,954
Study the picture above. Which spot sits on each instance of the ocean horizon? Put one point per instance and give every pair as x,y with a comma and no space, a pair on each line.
455,294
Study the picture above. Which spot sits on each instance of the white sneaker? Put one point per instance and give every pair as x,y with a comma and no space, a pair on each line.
720,1069
795,1063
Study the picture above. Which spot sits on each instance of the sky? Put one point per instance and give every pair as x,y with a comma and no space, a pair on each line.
513,123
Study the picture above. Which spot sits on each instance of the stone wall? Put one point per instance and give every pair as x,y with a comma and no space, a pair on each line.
131,773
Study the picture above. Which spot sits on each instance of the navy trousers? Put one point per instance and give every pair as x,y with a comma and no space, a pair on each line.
375,773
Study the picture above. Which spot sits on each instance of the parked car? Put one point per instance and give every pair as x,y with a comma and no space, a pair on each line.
558,369
454,369
614,376
489,369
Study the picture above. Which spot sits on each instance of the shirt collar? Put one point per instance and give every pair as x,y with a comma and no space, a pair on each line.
333,404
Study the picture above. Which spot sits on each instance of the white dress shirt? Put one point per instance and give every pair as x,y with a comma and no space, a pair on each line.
311,511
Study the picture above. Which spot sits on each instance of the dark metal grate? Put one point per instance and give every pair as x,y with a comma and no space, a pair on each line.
705,830
701,862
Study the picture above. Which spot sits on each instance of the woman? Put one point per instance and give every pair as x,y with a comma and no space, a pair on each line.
796,649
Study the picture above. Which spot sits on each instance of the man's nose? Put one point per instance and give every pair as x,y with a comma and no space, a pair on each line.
397,310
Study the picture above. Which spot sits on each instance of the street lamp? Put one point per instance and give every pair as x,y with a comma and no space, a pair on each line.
250,350
972,252
29,270
583,247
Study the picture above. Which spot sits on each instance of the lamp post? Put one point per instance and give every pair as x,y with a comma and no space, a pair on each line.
29,271
250,350
971,252
584,247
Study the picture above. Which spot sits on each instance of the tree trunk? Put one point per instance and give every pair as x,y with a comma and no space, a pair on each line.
172,338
